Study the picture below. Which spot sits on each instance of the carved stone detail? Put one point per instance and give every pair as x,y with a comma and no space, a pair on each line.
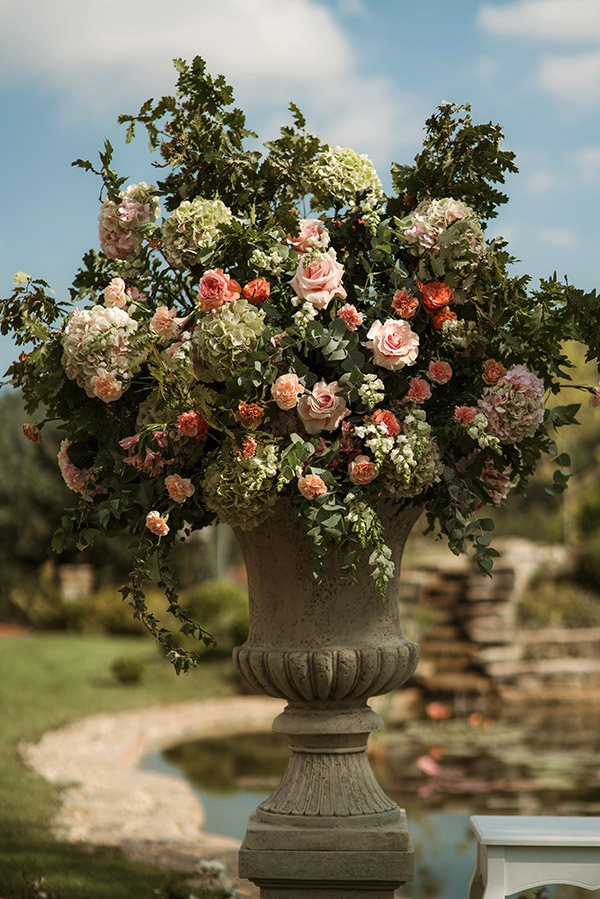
327,674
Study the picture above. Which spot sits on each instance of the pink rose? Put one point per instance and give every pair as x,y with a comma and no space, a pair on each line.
324,410
114,294
106,387
312,234
465,414
164,323
179,488
312,486
351,317
394,344
439,372
320,281
157,524
362,471
216,288
418,390
285,391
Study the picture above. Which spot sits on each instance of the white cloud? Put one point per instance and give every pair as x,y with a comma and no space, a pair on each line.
574,79
543,20
541,181
558,237
586,162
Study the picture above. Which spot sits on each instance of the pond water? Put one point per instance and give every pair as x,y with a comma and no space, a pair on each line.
441,772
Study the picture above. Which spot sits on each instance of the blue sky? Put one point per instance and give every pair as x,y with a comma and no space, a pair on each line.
367,73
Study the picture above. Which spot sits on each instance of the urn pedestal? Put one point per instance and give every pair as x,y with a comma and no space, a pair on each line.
328,830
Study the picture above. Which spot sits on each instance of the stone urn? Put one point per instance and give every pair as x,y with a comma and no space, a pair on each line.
325,646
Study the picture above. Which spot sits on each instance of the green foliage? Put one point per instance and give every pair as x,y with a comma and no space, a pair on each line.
558,603
127,671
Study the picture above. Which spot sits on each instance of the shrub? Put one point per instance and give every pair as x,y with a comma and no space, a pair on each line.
127,671
558,603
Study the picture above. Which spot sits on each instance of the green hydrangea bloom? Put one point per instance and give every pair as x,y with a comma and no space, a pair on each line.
242,492
340,173
192,227
225,338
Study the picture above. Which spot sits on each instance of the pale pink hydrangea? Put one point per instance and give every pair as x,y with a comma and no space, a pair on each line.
286,390
324,410
311,486
351,317
320,280
114,294
178,488
312,234
164,323
107,387
439,372
394,344
465,414
514,406
118,223
157,524
419,390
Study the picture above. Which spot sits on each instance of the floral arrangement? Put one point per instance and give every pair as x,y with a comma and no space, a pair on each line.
262,326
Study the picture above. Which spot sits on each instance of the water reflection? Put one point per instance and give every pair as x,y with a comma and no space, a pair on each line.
441,771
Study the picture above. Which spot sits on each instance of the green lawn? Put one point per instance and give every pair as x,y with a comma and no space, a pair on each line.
47,680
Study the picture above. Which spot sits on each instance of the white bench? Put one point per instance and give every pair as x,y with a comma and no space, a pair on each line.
518,853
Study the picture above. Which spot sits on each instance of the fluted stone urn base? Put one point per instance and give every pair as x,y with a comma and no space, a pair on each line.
328,830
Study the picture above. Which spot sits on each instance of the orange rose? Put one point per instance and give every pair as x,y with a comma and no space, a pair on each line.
445,314
257,291
435,295
493,371
387,418
362,470
312,486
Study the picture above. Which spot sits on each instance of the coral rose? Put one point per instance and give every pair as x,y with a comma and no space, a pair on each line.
445,314
179,488
435,295
389,420
114,294
248,450
405,303
312,234
320,280
394,344
324,410
439,372
191,424
362,470
285,391
493,371
311,486
257,291
157,524
351,317
465,414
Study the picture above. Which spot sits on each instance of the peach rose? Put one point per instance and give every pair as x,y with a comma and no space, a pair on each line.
164,323
191,424
387,418
312,486
157,524
249,414
312,234
179,488
106,387
351,317
362,471
493,371
257,291
324,410
248,450
405,303
435,295
285,391
114,294
394,344
319,281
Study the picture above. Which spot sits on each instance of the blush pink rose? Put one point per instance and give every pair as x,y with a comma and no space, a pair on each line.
312,486
465,414
324,410
394,344
216,288
319,281
164,323
157,524
439,372
351,317
418,390
362,470
114,294
285,391
312,234
106,387
179,488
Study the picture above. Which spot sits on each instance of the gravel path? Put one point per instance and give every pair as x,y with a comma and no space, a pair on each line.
150,816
